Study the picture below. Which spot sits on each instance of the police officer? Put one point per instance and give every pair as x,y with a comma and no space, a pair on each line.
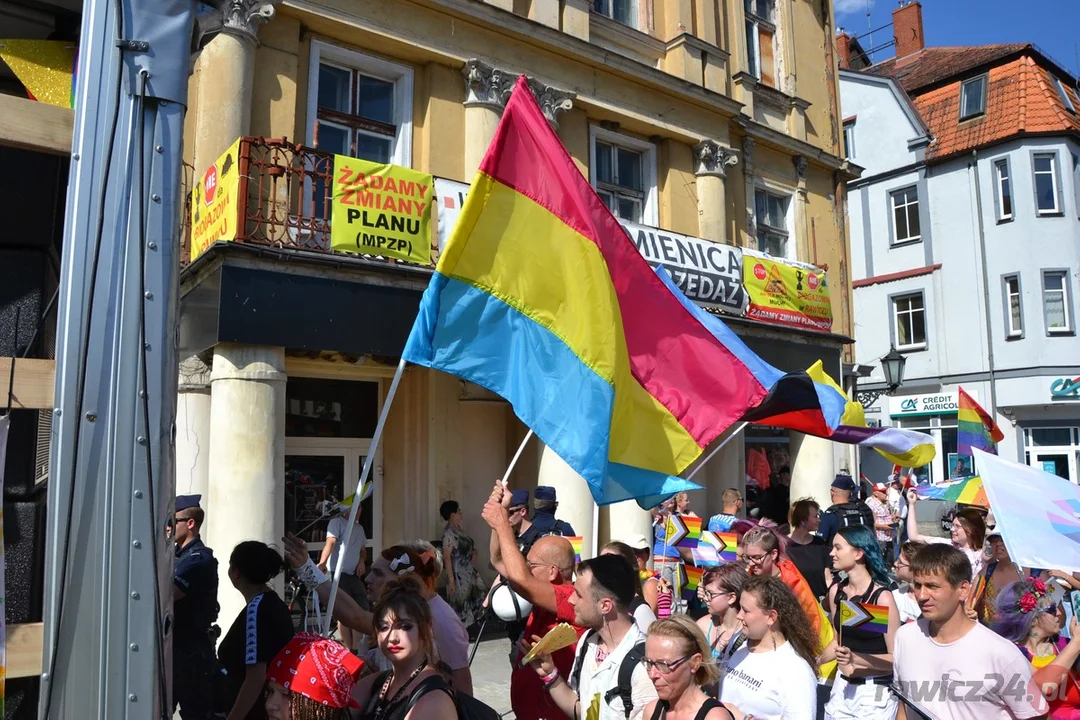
544,521
195,609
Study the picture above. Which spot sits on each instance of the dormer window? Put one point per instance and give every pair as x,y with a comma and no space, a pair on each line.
1064,96
972,98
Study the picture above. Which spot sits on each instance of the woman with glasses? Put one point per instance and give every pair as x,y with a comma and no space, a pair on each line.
677,660
967,534
864,656
1031,616
907,607
719,590
763,550
772,677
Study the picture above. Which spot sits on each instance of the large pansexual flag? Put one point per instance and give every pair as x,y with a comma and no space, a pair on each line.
541,297
974,427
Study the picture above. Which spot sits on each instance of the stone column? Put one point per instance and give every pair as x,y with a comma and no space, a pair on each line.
748,145
487,90
226,73
811,467
247,455
625,519
711,161
802,232
193,429
576,505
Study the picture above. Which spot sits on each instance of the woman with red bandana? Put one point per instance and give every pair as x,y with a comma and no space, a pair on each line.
311,678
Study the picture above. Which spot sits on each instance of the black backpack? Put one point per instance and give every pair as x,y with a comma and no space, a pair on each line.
622,689
468,707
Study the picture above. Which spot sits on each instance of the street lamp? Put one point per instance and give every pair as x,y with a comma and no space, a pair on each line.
892,365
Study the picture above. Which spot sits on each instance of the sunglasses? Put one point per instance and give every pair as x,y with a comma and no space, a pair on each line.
665,667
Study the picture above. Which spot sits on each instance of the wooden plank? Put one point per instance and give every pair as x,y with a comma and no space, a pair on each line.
33,125
34,380
24,649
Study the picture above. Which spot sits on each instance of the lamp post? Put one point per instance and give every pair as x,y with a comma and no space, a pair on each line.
892,366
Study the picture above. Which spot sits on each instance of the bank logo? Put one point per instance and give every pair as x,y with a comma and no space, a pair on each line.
909,405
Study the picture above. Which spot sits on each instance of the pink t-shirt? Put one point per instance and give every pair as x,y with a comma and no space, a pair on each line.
981,676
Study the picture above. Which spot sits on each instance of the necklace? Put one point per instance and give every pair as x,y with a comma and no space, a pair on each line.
382,706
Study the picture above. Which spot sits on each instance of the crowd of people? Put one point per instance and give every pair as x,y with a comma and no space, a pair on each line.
847,613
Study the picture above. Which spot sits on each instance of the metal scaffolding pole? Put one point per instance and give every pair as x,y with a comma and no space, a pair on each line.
108,580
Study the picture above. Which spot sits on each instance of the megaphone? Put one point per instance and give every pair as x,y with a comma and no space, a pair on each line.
507,605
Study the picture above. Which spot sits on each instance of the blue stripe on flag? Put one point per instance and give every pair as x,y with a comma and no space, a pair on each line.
470,333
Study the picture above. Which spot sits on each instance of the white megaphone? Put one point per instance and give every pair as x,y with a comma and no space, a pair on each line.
507,605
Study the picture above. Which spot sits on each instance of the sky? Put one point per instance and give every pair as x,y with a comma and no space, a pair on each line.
1052,25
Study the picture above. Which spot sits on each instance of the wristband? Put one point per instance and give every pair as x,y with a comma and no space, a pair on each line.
549,680
311,576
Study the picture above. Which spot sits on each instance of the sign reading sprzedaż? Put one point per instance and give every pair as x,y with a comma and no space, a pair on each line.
381,209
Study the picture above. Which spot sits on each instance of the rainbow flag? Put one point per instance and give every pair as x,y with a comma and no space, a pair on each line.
975,428
683,531
863,616
541,297
692,576
575,542
726,544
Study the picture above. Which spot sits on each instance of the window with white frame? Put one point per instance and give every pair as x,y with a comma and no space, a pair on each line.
624,175
973,97
621,11
849,139
905,215
1057,309
1003,189
909,321
1014,312
1045,171
761,40
359,105
770,214
1064,95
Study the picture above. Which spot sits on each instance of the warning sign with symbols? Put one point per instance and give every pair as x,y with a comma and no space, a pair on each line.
786,292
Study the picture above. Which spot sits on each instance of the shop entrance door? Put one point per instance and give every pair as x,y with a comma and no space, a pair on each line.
1056,461
321,469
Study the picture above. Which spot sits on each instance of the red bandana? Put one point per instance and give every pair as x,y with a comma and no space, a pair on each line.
319,669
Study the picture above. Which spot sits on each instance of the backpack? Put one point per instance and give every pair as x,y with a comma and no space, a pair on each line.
468,707
622,689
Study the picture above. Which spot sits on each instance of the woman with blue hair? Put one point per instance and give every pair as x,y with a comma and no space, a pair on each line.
859,605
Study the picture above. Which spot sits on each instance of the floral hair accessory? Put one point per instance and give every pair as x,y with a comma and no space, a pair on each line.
1030,599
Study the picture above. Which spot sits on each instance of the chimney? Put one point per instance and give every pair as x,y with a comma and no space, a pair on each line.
843,49
908,28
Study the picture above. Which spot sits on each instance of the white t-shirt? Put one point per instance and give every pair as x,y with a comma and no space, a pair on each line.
976,557
644,617
773,685
597,678
906,604
981,676
357,540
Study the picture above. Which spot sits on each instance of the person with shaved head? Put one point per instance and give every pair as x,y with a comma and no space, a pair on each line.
544,577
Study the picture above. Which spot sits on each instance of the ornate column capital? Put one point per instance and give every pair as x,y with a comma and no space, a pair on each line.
712,158
243,18
488,86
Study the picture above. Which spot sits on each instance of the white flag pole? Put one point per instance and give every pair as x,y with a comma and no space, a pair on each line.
513,462
716,449
344,542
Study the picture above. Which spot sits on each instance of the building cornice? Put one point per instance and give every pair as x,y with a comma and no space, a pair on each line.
623,39
793,146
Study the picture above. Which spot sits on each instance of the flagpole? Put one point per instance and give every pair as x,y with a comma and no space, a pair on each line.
513,462
368,460
716,449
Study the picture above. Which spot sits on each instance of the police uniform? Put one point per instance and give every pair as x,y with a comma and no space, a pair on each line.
193,615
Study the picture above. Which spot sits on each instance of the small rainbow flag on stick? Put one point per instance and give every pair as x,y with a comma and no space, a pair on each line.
705,555
974,427
726,544
863,616
682,531
693,579
575,542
